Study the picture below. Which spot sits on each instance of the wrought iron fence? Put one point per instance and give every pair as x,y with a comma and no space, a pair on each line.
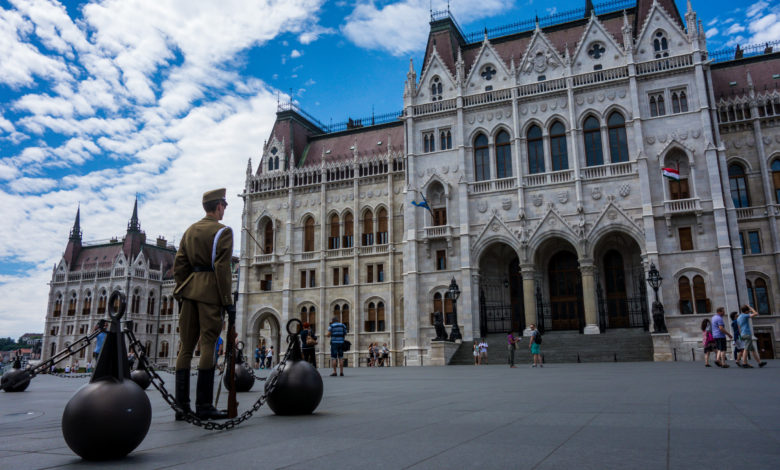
739,52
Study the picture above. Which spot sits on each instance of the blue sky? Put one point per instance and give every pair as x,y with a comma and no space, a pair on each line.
103,100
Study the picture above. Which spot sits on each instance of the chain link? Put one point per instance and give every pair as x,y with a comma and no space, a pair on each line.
190,416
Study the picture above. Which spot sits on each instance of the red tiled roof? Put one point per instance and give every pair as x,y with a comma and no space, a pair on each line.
365,140
761,69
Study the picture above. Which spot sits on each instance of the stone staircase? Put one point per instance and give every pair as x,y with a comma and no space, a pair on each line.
621,345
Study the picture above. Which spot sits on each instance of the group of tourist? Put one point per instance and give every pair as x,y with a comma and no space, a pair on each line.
264,357
714,334
512,341
378,356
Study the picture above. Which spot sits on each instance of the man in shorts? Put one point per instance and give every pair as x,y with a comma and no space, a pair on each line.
535,346
743,320
719,333
337,331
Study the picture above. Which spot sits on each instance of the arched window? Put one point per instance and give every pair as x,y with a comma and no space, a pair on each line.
776,179
738,184
308,234
87,308
428,143
686,300
592,136
58,306
535,150
333,240
368,228
445,138
268,237
345,315
349,230
102,301
660,45
558,150
678,189
163,349
481,158
381,222
150,304
618,144
370,322
170,306
270,163
436,89
758,296
437,305
380,316
679,101
308,315
503,155
700,295
72,305
136,301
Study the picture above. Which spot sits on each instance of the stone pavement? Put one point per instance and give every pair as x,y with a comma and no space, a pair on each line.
584,416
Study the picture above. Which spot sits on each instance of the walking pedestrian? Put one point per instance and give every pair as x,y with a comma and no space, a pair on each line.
384,360
262,355
535,344
738,344
707,341
746,331
719,333
476,353
257,356
269,357
511,345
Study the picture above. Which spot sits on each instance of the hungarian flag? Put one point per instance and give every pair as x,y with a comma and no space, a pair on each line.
672,174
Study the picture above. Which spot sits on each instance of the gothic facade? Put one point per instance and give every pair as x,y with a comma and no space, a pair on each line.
540,154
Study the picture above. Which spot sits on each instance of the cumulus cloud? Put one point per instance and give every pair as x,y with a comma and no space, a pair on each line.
295,54
144,91
756,8
735,28
402,27
765,28
711,32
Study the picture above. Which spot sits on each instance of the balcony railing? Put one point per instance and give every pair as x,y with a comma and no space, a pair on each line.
744,213
502,184
434,107
662,65
438,231
488,97
264,259
682,206
600,76
608,170
538,88
553,177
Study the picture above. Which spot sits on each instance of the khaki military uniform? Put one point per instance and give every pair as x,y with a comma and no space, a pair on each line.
202,289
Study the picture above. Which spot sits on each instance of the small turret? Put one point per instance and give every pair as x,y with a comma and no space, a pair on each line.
134,225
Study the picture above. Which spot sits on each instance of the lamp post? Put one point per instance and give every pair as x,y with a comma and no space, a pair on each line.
654,279
454,294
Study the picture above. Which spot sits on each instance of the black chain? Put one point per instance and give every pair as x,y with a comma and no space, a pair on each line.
191,417
45,366
252,373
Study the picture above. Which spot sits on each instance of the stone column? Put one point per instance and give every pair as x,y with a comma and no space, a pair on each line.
529,299
587,270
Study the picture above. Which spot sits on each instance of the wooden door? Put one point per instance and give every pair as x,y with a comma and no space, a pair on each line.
565,283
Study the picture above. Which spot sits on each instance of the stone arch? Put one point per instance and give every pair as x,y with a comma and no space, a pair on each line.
557,117
478,249
265,326
739,161
528,124
435,178
586,113
620,109
501,127
601,231
306,215
540,237
676,146
473,135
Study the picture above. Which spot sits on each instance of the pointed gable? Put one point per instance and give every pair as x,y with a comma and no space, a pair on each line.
540,58
658,19
445,38
597,49
488,70
436,68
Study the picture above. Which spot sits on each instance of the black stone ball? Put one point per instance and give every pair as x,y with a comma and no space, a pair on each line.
141,377
107,419
298,390
244,379
15,380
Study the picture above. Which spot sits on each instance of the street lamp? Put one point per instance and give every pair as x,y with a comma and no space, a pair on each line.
454,294
654,279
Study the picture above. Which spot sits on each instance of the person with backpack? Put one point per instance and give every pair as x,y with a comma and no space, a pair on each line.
535,344
707,341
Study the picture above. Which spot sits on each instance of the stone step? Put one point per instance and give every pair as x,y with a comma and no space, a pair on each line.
629,345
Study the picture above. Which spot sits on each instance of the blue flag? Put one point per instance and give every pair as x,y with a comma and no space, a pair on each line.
423,204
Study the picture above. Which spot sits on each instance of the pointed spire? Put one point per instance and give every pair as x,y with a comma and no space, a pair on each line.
249,166
75,232
485,39
133,225
750,81
589,10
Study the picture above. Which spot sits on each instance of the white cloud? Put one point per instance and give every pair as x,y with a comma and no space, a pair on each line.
32,185
711,32
735,28
713,22
765,29
295,54
756,8
402,27
310,82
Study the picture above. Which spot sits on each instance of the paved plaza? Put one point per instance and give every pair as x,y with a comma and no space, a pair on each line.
583,416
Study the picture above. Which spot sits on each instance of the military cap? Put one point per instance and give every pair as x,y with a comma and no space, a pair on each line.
214,195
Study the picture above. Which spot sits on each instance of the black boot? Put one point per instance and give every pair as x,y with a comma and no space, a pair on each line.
204,396
183,392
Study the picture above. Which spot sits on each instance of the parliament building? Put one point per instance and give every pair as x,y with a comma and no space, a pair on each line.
551,164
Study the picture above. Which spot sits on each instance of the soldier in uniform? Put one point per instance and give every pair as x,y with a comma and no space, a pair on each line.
203,288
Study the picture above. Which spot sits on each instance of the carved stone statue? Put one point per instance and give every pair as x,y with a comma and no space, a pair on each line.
438,324
659,324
